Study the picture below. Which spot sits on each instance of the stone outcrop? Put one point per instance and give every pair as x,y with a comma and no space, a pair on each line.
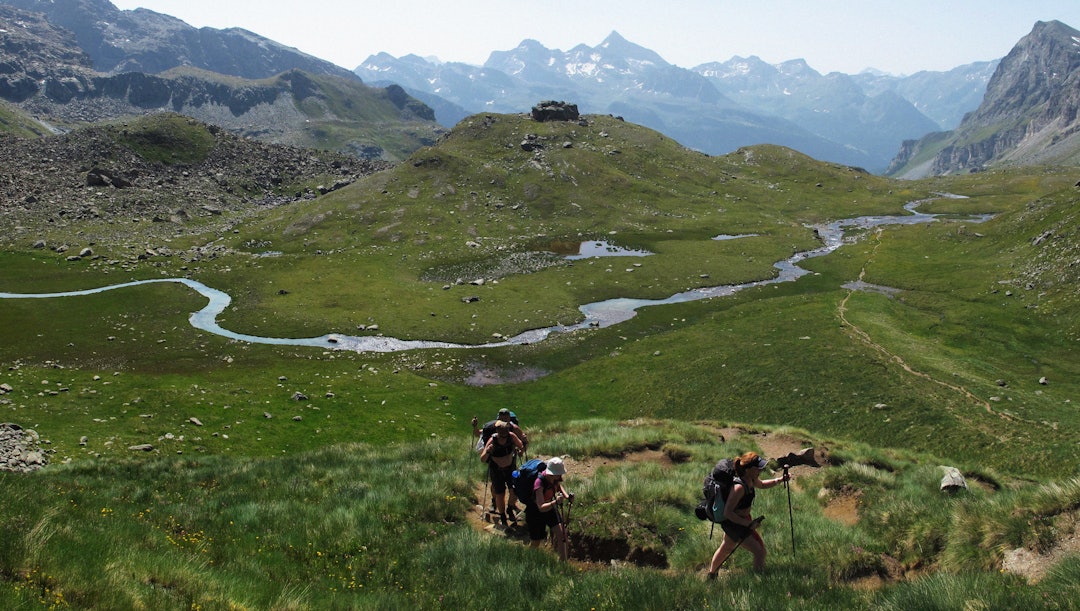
20,449
555,111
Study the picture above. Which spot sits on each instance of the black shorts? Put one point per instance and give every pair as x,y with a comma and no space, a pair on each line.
738,532
500,477
539,521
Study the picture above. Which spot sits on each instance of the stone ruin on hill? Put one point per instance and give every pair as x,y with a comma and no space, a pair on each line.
554,111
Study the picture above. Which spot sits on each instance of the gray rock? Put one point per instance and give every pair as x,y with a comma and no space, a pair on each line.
953,480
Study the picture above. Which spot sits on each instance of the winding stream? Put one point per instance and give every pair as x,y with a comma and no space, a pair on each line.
596,315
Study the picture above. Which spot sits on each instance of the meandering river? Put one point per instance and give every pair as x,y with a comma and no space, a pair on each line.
598,314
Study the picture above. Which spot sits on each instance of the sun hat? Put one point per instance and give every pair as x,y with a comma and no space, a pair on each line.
504,412
760,463
555,466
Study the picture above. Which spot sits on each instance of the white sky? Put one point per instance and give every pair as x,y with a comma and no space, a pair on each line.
896,36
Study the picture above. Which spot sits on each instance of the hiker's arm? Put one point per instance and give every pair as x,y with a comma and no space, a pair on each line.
487,450
769,483
521,435
517,442
475,431
733,499
541,504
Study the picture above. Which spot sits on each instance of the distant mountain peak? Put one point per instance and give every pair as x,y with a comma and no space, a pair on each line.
616,44
1029,114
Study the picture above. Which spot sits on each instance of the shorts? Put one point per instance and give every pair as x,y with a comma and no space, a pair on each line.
500,477
539,521
738,532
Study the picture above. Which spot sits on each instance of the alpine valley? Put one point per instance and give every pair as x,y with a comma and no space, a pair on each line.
251,303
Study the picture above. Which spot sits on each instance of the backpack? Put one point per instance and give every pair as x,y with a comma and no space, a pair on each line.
488,431
524,478
715,489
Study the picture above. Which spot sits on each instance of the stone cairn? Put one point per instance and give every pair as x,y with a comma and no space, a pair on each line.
19,449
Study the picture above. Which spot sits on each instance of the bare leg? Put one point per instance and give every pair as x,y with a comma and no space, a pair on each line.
727,546
758,550
500,505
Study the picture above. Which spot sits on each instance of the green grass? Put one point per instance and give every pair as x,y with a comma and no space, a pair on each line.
169,139
361,526
946,370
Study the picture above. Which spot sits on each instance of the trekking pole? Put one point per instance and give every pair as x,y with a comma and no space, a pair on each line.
483,499
730,554
759,519
791,515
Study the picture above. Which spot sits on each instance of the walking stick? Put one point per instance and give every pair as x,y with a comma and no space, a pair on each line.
757,520
791,515
483,499
802,457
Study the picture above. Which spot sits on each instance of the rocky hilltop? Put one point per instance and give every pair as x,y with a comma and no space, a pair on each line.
1029,115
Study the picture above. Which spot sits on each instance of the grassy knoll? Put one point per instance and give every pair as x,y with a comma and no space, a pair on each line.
371,526
287,492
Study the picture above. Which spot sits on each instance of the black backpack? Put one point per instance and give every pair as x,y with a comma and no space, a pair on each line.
715,490
488,431
524,478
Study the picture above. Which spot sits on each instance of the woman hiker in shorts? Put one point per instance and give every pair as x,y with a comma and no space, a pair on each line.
500,454
737,523
543,511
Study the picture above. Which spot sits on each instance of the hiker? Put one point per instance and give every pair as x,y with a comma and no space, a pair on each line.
504,415
543,512
500,453
739,528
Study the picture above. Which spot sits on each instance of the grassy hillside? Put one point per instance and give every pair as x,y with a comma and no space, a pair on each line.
308,110
362,527
958,348
15,123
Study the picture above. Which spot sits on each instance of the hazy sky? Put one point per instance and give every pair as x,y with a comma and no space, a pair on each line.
897,36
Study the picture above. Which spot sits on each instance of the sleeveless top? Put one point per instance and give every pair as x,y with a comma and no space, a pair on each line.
748,497
500,450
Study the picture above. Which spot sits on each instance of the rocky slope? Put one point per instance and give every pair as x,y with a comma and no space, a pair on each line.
1029,115
137,184
48,76
144,41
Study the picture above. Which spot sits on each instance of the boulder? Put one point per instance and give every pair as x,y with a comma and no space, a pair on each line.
551,110
953,480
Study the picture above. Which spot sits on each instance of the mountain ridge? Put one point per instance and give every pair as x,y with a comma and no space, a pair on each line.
49,77
1029,114
699,107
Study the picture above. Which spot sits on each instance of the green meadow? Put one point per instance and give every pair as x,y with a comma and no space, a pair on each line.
292,477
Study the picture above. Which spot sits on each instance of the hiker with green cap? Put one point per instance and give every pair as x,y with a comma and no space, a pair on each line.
488,429
542,512
485,434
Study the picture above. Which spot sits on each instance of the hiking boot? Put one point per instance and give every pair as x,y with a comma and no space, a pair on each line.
512,511
502,519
